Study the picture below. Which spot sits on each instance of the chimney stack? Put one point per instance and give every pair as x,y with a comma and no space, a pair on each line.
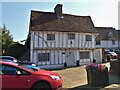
58,10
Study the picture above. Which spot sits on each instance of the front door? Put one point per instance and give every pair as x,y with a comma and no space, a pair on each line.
69,58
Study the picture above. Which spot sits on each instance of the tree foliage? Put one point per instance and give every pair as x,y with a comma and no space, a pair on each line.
27,42
5,39
16,50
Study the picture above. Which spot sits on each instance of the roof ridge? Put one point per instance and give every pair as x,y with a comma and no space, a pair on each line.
106,27
62,13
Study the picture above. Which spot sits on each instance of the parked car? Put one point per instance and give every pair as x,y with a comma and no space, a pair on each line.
118,54
9,59
16,77
20,63
112,55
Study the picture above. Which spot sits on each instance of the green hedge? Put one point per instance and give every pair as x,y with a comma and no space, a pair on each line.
16,50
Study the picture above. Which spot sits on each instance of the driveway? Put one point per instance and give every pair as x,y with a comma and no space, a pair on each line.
75,78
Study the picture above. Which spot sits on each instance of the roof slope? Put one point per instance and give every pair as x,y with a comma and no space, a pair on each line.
107,33
48,21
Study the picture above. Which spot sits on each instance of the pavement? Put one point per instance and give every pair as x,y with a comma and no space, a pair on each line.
75,78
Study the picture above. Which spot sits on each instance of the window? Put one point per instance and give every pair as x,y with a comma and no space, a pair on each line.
43,57
98,42
113,42
84,55
50,36
71,36
88,38
10,70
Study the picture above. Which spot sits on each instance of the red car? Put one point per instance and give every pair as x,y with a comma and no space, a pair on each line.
18,78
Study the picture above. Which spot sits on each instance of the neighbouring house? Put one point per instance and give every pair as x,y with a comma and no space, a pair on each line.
118,34
108,39
57,38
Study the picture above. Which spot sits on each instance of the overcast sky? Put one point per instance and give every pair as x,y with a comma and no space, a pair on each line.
16,15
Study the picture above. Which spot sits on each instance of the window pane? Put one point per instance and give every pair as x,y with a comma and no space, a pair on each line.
9,70
43,56
98,42
71,36
88,38
84,55
50,36
113,42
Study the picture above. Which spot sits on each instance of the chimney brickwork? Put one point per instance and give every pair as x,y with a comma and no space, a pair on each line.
58,10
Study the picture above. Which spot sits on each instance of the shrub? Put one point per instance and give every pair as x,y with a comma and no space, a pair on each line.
16,50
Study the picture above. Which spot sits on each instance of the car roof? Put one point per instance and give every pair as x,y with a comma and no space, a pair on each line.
7,57
4,62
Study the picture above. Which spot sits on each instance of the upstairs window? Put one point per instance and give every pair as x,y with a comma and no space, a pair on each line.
113,42
98,42
88,38
71,36
50,36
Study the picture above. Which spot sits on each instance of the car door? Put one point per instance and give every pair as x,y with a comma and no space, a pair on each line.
11,80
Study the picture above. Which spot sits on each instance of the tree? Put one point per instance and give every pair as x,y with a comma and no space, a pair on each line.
5,39
27,42
16,50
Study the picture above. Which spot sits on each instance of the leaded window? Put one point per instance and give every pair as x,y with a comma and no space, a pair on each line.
88,38
43,56
71,35
84,55
50,36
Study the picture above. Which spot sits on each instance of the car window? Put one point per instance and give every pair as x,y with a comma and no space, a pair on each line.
30,67
11,70
1,70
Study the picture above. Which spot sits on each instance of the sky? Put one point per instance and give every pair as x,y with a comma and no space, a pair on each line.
16,14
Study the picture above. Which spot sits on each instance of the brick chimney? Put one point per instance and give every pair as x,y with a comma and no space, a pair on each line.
58,10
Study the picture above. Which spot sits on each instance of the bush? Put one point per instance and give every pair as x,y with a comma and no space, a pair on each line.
16,50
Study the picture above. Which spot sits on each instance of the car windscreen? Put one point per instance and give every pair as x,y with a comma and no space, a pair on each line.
112,53
29,67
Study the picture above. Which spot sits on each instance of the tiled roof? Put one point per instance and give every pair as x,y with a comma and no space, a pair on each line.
107,33
48,21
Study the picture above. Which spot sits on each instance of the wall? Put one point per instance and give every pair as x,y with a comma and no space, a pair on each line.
40,40
107,44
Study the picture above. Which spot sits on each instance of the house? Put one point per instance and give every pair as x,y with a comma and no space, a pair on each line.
108,38
57,38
